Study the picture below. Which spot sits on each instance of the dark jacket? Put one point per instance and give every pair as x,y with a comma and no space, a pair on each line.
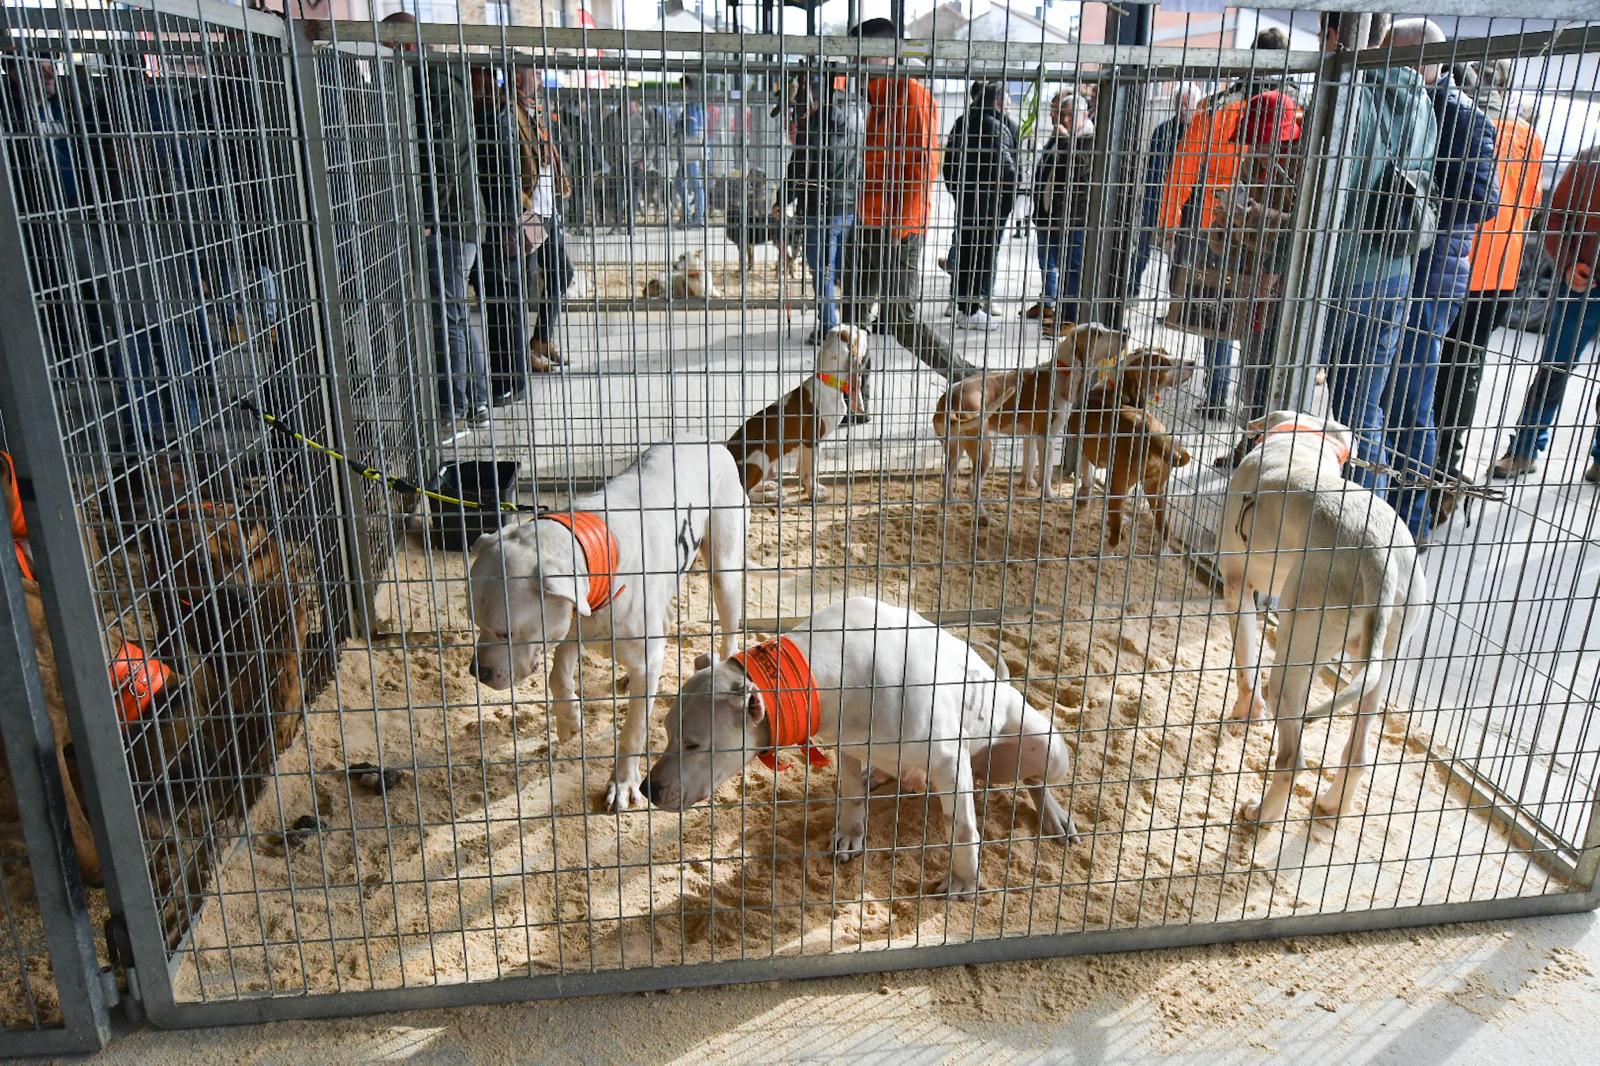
1061,183
500,184
825,166
1466,182
446,156
1163,142
980,164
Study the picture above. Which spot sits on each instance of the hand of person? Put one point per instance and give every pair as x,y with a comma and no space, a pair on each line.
777,210
1580,277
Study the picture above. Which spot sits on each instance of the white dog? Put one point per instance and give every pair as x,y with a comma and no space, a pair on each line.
688,279
549,583
1344,568
894,693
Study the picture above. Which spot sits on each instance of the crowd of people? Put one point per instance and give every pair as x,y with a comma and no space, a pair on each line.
1439,179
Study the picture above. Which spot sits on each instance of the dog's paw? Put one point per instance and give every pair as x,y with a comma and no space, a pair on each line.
1250,811
1247,708
766,492
849,841
569,723
957,887
1058,825
626,796
1327,806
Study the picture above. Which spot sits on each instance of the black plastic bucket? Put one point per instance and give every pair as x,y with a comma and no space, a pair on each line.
488,485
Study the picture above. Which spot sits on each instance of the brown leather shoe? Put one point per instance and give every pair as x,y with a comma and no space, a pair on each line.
1034,311
543,356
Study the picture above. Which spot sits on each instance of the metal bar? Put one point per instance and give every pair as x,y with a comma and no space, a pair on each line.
301,76
1576,40
1544,845
1024,55
1010,949
30,746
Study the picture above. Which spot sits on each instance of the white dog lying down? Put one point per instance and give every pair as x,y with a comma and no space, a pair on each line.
1344,569
896,694
549,583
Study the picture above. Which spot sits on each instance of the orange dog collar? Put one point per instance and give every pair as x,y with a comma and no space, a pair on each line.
1297,427
136,680
19,525
789,693
601,553
834,381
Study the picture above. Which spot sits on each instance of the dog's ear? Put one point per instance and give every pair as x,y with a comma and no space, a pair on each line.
704,660
1256,426
565,587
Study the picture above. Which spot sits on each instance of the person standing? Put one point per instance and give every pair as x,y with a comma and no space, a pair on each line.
823,174
980,170
1496,261
1468,194
883,256
1572,240
1381,181
1203,166
550,269
690,127
1157,162
501,257
447,166
1061,209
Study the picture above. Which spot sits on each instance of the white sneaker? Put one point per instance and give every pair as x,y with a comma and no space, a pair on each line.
977,320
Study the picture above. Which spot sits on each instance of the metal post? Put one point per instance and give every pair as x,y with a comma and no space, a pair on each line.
30,745
1113,178
303,82
1308,280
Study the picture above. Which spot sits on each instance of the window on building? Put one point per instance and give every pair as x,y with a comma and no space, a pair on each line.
497,12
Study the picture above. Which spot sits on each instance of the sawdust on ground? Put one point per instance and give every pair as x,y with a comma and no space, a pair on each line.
489,859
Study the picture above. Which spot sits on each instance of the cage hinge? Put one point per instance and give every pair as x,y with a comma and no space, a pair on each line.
119,951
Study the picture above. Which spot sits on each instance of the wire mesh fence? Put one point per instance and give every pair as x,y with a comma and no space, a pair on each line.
391,367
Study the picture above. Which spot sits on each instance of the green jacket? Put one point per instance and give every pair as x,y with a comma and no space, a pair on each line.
447,162
1392,102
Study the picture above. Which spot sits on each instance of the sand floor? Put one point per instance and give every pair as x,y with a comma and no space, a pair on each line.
490,858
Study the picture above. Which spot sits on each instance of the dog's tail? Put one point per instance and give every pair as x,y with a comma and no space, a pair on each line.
1408,605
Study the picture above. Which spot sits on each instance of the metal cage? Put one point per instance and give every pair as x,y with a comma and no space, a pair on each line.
258,385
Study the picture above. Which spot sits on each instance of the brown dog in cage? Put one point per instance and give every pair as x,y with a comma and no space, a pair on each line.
1117,434
1031,404
810,411
221,584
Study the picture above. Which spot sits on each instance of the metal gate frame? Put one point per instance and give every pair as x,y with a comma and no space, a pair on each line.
84,990
27,403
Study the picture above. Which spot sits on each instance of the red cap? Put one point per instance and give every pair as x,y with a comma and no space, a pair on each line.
1269,118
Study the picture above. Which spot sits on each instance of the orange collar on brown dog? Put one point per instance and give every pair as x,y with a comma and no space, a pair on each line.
601,554
781,674
1315,431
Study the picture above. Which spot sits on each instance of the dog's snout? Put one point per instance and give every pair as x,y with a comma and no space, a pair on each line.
473,667
649,790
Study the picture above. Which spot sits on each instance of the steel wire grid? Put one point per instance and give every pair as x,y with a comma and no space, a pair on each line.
350,171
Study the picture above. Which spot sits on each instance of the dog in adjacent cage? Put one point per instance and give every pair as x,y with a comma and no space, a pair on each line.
605,574
896,695
1032,404
1115,432
807,414
1344,569
687,280
753,223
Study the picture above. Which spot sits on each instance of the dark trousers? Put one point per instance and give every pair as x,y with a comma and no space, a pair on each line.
505,284
1455,393
972,273
882,268
553,273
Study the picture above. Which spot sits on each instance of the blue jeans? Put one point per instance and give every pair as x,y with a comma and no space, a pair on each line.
1359,343
1219,370
1411,436
692,182
1061,263
457,349
1575,326
157,369
824,245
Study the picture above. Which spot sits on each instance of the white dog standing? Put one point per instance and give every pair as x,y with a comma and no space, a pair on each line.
895,693
1344,568
548,583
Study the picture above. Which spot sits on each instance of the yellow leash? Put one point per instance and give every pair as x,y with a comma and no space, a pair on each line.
397,484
